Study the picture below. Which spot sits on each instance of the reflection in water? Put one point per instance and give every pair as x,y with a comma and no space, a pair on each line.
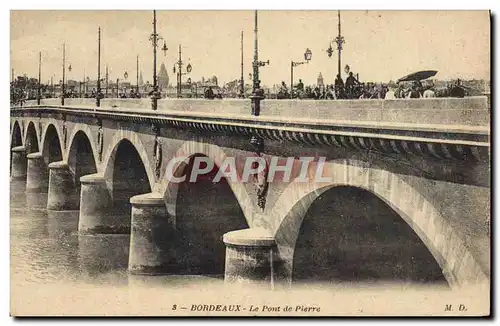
47,249
62,224
36,200
103,253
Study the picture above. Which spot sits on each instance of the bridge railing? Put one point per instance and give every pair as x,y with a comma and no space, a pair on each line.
470,111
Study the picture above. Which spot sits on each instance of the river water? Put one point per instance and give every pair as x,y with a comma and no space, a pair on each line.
47,249
54,270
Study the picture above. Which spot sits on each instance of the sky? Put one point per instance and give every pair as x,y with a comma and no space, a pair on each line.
380,45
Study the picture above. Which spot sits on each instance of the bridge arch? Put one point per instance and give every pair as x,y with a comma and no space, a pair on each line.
111,151
128,173
203,210
52,150
80,157
215,153
458,265
31,139
83,130
56,124
16,135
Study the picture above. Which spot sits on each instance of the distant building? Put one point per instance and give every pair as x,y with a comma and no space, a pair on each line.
141,81
205,82
163,80
320,80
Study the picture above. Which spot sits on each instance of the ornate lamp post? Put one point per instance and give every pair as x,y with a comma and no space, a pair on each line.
125,76
64,73
257,92
137,75
39,95
68,78
107,81
339,40
178,67
98,95
154,38
307,57
242,80
84,89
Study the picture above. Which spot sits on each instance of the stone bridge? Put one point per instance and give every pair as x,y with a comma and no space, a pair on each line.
407,198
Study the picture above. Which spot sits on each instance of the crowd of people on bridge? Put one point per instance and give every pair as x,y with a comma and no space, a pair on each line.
354,89
351,89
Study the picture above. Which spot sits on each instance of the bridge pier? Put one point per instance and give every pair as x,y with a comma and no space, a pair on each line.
251,257
62,194
37,179
152,236
95,204
19,163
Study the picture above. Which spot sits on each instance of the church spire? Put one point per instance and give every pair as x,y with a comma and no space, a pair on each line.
163,79
141,80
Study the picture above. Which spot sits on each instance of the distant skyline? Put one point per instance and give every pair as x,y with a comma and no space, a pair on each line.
380,45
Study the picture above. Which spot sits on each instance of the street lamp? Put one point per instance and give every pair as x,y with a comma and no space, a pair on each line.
125,76
68,78
98,94
154,38
242,80
164,48
64,73
257,92
307,58
137,75
39,94
339,40
178,67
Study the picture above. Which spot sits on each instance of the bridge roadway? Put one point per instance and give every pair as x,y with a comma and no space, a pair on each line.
425,160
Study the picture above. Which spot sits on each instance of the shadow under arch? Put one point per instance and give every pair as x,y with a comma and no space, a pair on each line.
81,160
109,156
16,137
31,139
442,241
205,211
127,177
190,149
88,133
51,148
350,235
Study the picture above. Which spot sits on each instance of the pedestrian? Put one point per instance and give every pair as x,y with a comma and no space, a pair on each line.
300,85
330,93
429,93
375,93
339,87
283,91
390,94
399,92
414,93
457,90
350,84
209,93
